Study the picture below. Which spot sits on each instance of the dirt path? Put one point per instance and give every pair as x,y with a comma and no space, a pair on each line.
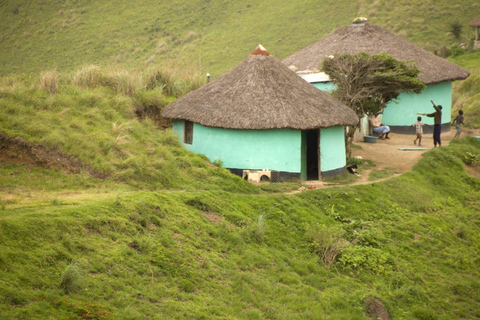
386,154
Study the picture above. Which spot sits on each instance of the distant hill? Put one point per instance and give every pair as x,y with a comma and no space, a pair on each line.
205,36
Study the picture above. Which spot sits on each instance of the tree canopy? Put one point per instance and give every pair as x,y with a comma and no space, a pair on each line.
366,83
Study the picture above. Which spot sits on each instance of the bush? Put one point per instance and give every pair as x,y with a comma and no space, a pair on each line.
358,258
470,158
327,243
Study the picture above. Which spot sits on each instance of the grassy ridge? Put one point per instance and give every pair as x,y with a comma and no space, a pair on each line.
93,116
218,255
209,36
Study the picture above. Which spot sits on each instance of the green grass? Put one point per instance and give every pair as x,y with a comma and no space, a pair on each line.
207,37
381,174
220,255
466,94
96,122
166,235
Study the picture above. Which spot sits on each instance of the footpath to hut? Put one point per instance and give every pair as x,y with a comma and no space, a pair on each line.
386,154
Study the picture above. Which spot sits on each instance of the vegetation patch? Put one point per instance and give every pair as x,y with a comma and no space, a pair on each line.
384,173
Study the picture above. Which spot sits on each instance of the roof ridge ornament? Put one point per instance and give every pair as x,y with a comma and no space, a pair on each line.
260,50
359,21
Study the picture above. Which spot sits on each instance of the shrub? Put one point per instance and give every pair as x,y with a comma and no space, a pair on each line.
358,258
470,158
218,162
327,243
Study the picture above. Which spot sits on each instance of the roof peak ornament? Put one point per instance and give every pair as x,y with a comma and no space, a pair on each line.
260,50
359,21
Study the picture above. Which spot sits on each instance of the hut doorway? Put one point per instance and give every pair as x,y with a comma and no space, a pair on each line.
313,154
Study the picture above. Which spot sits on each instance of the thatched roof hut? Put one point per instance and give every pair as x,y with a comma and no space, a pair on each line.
374,39
475,22
261,93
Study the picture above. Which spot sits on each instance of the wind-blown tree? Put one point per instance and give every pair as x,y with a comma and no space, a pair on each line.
366,83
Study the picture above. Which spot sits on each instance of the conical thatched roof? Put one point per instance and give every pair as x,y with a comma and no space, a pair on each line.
475,22
261,93
373,39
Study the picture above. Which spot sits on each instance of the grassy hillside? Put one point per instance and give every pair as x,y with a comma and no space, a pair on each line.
208,36
93,115
209,254
166,235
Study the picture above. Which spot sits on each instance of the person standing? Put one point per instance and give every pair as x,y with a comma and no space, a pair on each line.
458,121
437,123
418,130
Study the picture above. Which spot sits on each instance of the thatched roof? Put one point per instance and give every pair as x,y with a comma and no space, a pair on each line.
475,22
261,93
373,39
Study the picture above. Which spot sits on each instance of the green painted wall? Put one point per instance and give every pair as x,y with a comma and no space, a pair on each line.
325,86
278,150
404,111
332,148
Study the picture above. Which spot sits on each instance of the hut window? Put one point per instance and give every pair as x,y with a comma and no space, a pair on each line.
188,132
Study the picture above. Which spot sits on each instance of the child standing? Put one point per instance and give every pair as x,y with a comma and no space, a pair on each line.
458,121
419,130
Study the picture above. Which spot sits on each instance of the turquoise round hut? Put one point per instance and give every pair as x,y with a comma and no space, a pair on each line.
436,72
261,116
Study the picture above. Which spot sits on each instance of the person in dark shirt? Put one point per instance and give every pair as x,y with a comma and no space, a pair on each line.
458,121
437,126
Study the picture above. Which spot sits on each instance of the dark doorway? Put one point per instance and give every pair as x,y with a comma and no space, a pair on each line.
313,156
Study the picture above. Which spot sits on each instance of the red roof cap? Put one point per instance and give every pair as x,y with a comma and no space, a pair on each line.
260,50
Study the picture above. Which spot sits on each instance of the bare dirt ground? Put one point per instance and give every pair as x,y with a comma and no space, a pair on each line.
386,153
19,151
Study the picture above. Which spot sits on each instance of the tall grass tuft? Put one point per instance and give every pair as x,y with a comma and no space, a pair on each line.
120,81
161,78
90,76
123,82
49,81
72,278
260,227
172,81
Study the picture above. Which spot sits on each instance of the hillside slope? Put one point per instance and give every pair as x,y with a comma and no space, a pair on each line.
209,36
408,244
166,235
